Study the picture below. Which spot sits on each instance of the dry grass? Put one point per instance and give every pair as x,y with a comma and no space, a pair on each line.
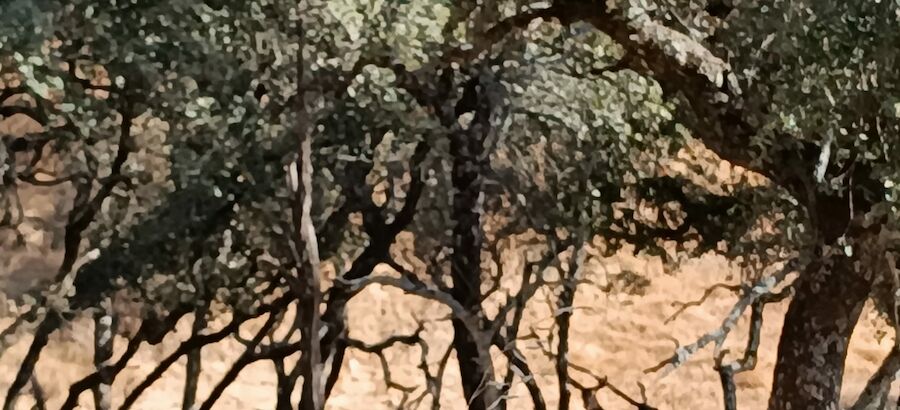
616,333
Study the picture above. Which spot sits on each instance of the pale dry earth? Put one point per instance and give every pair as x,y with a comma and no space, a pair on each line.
615,333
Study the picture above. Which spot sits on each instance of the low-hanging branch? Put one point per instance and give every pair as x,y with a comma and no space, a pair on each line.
759,289
748,361
706,294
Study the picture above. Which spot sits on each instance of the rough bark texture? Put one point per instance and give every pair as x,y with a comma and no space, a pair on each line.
876,394
816,333
467,149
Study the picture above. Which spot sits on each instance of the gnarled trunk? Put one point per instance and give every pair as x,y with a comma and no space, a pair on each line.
467,149
816,334
876,394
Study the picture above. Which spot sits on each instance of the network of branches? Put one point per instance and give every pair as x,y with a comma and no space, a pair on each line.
266,161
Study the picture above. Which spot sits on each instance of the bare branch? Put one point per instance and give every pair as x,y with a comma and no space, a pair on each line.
706,294
104,337
748,362
80,218
86,83
26,368
564,307
309,289
518,366
197,341
33,180
875,394
378,350
418,289
387,343
83,213
759,289
94,379
194,359
442,366
602,382
9,92
376,252
35,113
247,357
528,288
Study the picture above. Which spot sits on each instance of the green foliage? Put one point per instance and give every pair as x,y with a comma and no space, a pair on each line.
210,90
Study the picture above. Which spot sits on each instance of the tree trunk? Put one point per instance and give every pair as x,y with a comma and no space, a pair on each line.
467,149
286,383
564,308
876,393
194,360
816,333
104,334
312,396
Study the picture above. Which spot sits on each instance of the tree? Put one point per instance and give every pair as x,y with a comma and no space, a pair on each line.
218,152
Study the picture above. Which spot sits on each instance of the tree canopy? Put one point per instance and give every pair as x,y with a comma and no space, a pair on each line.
216,155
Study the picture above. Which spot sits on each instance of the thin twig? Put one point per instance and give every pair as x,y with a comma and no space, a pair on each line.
706,294
602,382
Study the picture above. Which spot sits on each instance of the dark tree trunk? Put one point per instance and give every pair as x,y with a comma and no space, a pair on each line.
382,234
286,384
564,308
312,393
877,392
816,333
194,360
467,150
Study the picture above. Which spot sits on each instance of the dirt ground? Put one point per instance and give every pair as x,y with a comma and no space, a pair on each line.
616,333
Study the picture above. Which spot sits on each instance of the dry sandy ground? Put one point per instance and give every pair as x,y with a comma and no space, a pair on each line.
615,333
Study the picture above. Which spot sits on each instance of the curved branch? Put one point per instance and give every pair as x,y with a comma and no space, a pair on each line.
706,294
759,290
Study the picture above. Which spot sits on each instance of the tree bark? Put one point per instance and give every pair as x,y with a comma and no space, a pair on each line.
816,333
312,395
104,335
286,383
194,362
467,150
564,308
875,395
